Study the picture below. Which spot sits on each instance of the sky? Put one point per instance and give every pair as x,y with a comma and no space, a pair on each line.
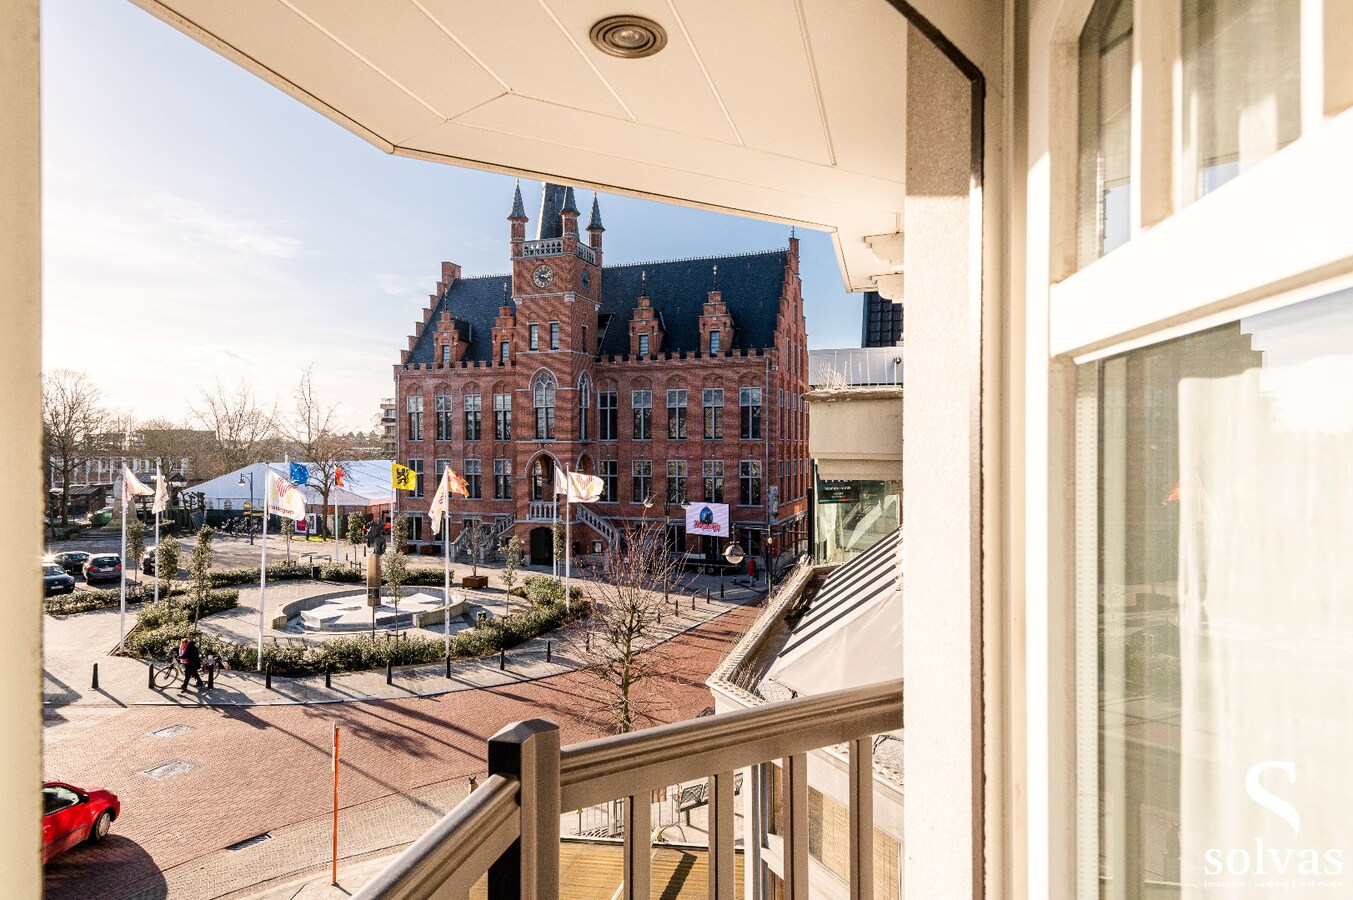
199,226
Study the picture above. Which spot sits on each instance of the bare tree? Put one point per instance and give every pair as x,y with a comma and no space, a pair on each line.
242,429
177,448
624,619
74,422
478,541
311,436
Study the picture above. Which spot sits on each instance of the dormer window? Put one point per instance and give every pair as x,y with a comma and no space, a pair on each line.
714,341
643,345
503,351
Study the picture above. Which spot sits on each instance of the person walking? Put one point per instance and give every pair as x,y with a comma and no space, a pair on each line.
192,663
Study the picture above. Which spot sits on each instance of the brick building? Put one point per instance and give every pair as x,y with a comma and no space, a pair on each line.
672,380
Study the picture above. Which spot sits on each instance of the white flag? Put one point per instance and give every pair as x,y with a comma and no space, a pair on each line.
132,487
560,481
583,488
283,498
161,495
440,501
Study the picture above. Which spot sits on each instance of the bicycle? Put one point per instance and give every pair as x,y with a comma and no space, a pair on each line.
166,676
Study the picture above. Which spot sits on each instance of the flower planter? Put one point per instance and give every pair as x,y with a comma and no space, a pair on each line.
474,582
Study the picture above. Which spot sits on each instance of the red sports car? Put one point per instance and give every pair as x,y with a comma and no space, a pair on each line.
72,815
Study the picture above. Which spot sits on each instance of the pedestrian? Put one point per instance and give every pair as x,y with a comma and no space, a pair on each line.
751,568
213,663
192,663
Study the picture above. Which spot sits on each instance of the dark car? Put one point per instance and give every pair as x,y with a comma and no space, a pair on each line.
55,580
73,561
72,815
103,567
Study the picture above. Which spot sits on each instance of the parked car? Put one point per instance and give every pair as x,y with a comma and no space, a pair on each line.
73,561
72,815
55,580
103,567
101,517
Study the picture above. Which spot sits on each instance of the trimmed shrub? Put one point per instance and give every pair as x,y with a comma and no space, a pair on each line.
544,589
84,601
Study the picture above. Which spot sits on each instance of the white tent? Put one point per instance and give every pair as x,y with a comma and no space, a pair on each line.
851,634
366,484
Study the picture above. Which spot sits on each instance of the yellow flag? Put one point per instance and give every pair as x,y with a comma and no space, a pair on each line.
402,478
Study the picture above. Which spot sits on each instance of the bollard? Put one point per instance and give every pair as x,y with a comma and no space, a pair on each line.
547,659
150,676
692,601
267,676
587,641
707,596
502,658
211,678
676,607
389,671
720,590
328,676
448,665
94,684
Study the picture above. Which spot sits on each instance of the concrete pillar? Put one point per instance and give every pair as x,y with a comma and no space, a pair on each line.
941,473
21,451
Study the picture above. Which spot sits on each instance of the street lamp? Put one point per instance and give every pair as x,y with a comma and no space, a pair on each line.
249,523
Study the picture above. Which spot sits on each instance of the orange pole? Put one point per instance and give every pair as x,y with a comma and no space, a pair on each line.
335,851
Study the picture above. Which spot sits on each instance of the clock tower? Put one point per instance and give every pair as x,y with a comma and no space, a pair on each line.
556,278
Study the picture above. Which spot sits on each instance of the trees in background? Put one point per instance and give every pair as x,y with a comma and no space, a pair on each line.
74,423
310,434
242,429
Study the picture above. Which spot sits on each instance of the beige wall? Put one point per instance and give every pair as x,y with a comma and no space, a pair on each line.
856,433
20,452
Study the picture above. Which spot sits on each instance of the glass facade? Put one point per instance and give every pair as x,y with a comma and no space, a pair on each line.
1215,628
851,516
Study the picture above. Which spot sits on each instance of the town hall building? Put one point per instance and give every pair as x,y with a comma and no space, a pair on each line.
674,381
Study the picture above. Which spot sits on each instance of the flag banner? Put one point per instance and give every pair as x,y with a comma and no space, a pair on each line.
340,477
402,478
560,481
283,498
300,475
132,487
708,519
161,496
583,488
451,483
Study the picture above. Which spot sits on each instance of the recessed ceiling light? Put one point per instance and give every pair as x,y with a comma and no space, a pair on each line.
629,37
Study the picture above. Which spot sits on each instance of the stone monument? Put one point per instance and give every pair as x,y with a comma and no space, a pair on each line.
375,541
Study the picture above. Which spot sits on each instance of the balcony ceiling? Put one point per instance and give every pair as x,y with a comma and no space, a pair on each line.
785,109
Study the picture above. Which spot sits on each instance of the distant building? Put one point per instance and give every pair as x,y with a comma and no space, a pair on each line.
882,322
672,380
177,450
388,426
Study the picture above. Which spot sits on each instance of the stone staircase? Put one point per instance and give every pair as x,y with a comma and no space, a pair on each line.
596,521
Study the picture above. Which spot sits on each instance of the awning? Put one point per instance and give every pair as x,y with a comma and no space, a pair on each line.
851,635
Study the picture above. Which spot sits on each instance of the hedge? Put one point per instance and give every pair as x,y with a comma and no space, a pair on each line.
161,624
359,652
544,589
84,601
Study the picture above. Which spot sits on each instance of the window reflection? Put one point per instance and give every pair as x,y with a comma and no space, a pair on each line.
1105,130
1225,610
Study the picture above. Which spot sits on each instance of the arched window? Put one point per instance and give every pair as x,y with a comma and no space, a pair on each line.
584,404
544,404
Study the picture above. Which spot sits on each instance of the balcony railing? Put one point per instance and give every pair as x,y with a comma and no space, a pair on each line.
587,253
540,511
509,827
546,247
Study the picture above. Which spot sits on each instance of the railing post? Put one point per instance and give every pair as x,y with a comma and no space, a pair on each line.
796,826
529,869
638,861
862,819
721,836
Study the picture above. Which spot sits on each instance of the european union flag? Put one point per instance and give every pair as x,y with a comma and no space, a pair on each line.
300,475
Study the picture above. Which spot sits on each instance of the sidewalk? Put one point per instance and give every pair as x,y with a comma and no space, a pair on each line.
74,643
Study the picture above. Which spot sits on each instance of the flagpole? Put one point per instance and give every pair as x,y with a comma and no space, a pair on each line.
263,572
446,601
554,560
159,479
122,567
568,554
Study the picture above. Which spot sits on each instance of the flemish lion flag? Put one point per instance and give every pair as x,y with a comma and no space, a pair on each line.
402,478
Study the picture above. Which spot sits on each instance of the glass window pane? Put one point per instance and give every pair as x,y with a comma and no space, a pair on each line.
1106,122
1242,92
1220,585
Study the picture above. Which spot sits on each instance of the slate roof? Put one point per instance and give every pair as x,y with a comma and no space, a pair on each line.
750,283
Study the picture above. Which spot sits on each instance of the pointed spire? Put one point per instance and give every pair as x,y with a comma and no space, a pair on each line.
518,209
716,276
643,282
549,224
595,224
570,205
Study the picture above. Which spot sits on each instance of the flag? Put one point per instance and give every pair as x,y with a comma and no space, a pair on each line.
340,477
584,488
402,478
300,475
161,495
132,487
451,483
282,498
560,481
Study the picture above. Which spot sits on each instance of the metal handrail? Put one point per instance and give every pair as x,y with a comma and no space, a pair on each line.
456,852
617,766
509,827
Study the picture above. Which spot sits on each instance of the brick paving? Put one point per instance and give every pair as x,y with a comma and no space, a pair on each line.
265,768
